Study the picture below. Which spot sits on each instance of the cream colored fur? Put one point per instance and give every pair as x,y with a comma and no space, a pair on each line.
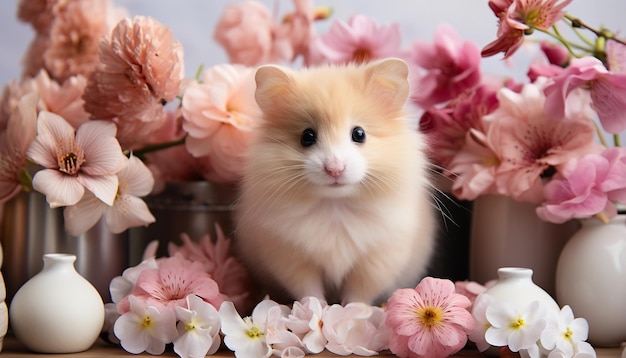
356,237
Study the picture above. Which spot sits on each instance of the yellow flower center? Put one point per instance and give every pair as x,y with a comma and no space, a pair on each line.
568,334
430,316
190,326
254,332
146,322
518,323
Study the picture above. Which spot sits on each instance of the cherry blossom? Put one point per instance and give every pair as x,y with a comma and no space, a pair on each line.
198,329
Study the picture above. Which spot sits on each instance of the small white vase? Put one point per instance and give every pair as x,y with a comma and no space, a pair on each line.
515,286
4,312
591,279
57,310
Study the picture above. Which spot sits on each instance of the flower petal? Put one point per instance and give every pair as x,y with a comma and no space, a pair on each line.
60,189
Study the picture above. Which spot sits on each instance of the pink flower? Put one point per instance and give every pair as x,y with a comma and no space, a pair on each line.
39,13
142,68
355,328
531,144
428,321
14,142
218,116
74,160
64,99
517,18
359,40
219,262
76,30
616,57
452,67
555,53
607,91
585,186
170,284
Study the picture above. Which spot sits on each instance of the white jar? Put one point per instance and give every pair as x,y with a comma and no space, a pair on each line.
515,286
57,310
591,278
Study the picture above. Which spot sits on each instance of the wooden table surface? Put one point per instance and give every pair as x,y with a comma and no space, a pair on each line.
101,349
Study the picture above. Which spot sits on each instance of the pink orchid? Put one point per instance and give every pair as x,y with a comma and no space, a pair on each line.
74,160
516,18
607,90
428,321
128,210
531,144
220,263
219,114
585,186
452,67
14,142
170,284
359,40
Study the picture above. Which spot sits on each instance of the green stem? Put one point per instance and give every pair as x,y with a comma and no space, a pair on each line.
616,140
576,22
600,134
140,153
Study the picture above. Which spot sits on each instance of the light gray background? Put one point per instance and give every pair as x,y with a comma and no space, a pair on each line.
192,22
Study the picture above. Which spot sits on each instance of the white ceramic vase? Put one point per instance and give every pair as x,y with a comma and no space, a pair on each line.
57,310
515,286
4,312
591,279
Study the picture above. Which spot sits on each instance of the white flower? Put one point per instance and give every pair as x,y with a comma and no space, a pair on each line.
515,328
144,328
245,337
198,329
563,331
479,312
305,320
581,350
356,328
121,286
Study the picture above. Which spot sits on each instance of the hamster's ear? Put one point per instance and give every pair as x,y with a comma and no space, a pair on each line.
273,87
387,80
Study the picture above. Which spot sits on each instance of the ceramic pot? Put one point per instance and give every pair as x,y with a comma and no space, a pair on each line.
508,233
57,310
591,279
29,229
515,285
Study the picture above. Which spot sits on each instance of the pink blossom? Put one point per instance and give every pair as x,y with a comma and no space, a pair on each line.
14,142
607,91
517,18
474,167
75,32
39,13
584,187
472,289
170,284
142,68
616,57
359,40
64,99
251,36
220,263
355,328
428,321
555,53
452,67
531,144
74,160
447,128
219,114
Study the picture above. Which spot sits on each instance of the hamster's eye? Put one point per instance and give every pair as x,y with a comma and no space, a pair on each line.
358,135
308,137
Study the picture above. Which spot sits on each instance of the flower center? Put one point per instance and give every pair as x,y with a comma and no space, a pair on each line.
146,322
568,334
190,326
518,323
361,55
254,332
430,316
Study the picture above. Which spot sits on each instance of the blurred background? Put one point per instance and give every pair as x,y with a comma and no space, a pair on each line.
193,21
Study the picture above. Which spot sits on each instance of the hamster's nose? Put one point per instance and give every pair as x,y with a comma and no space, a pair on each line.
335,168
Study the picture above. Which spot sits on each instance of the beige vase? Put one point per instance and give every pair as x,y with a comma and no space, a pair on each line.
508,233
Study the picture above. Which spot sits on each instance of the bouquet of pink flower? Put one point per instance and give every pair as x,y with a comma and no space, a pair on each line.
541,141
103,114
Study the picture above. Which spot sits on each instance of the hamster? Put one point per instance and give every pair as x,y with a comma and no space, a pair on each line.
335,199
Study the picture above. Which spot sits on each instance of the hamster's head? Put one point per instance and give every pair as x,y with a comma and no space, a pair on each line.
333,131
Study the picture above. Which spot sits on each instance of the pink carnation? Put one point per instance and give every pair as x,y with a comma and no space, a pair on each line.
452,67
